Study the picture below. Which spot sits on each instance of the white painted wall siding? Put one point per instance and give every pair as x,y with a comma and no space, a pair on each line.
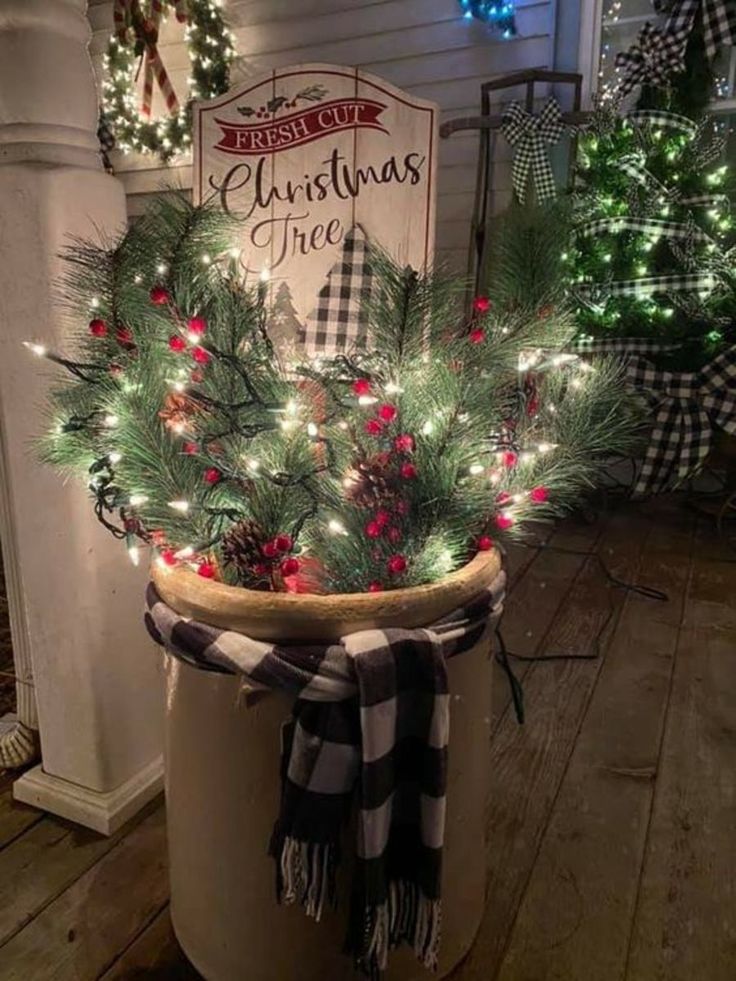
423,46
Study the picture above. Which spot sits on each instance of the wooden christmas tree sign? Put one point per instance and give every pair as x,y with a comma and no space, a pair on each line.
316,160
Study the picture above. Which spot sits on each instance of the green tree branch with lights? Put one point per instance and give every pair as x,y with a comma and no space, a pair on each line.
363,471
652,251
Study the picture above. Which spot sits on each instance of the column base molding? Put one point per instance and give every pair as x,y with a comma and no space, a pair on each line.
103,812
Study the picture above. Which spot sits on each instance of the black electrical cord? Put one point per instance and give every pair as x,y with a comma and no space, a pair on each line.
503,654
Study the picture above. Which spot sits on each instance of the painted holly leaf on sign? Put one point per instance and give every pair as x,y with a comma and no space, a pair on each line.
313,93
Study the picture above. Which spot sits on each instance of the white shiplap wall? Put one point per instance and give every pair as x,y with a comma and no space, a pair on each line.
424,46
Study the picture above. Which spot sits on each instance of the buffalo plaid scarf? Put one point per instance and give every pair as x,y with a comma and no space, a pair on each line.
370,722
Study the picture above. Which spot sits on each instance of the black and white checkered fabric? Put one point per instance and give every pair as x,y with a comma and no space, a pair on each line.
686,408
337,323
529,135
370,720
718,16
651,285
654,58
656,227
664,119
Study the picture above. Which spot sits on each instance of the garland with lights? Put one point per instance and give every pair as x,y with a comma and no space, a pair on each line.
133,47
653,245
500,14
360,472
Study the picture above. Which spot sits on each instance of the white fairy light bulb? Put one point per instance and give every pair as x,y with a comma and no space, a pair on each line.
38,349
111,420
342,425
134,554
184,553
253,464
336,527
206,258
312,430
265,275
161,268
114,457
367,400
94,302
427,428
182,506
475,469
137,500
393,388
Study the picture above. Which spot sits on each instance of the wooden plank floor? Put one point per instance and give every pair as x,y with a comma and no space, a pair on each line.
612,822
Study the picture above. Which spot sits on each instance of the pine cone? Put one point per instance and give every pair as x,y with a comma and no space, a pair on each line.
178,410
241,547
372,484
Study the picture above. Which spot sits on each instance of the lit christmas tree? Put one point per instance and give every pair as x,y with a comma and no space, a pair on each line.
360,472
652,255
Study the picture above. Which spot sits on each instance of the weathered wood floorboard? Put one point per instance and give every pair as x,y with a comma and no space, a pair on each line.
575,920
528,762
685,924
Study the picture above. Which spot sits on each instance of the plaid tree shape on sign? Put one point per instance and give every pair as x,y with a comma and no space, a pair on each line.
336,323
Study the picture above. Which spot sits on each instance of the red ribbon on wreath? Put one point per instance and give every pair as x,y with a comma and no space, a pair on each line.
128,14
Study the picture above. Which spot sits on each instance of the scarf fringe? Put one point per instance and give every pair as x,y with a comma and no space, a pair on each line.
407,916
306,875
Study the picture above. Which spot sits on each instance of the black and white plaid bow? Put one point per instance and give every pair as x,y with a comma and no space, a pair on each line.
529,135
687,407
654,58
719,20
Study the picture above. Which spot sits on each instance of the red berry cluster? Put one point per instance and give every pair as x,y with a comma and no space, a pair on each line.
196,327
276,551
481,306
124,337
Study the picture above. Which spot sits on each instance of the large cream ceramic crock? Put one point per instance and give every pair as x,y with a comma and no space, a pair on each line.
222,784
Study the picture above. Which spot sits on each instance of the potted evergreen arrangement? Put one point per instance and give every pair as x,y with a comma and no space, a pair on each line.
332,530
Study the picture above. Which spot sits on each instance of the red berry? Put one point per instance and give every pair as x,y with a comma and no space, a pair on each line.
159,296
408,471
509,458
200,355
212,475
177,343
504,521
394,535
196,376
98,328
361,386
260,569
387,412
270,549
396,565
375,587
168,557
477,335
404,443
382,518
484,543
124,336
289,567
283,543
190,448
373,427
481,304
503,498
206,570
197,325
539,495
373,529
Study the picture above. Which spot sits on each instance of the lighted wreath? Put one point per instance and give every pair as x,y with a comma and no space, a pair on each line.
133,48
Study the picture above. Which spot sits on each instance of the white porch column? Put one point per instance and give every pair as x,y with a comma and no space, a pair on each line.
76,601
